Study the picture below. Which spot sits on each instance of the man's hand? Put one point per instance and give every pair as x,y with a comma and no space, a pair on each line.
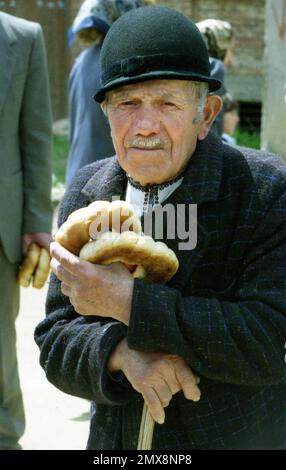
41,238
157,376
104,291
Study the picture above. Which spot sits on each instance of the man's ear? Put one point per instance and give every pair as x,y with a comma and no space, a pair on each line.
103,106
212,108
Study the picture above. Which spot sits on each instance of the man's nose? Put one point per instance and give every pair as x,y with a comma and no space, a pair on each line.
147,121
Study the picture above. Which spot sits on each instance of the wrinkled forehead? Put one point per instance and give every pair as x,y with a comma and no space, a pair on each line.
177,89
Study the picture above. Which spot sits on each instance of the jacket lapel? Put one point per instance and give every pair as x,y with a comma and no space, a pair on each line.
201,185
7,57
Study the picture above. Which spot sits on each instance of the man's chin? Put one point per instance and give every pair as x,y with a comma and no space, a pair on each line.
146,178
146,170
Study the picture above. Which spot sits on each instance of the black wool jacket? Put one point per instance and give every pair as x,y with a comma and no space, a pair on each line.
224,311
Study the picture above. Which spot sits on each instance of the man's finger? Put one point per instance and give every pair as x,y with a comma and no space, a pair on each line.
173,383
188,381
69,261
62,274
154,405
164,393
66,290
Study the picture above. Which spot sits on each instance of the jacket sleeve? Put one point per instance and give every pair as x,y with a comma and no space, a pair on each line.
239,341
74,349
36,139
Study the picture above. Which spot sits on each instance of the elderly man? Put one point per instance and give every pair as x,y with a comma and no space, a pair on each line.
206,351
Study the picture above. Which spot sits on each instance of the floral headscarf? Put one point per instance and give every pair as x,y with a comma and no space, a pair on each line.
100,14
217,35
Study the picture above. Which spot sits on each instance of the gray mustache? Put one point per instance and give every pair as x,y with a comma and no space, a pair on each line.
147,143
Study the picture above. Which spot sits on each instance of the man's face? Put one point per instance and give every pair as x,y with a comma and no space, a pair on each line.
153,129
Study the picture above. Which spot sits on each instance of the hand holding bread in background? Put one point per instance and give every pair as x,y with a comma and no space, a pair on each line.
35,264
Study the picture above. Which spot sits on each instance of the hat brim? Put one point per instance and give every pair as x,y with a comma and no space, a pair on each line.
214,84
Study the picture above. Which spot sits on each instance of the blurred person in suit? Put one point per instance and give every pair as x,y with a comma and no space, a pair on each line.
25,183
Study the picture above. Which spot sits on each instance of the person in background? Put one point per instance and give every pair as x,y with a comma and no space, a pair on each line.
218,36
90,137
230,119
25,185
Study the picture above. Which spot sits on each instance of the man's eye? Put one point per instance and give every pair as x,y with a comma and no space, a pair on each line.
127,103
169,104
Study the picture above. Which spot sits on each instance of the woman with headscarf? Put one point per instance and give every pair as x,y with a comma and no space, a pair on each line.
218,36
90,138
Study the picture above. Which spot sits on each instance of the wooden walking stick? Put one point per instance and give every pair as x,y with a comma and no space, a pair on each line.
147,425
146,430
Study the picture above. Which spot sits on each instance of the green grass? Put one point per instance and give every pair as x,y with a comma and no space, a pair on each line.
60,156
61,148
247,139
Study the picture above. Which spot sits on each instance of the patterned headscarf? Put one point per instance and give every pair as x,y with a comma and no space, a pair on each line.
217,35
100,14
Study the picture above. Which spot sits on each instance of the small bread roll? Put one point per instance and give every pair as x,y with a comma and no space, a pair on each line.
42,270
153,260
74,232
29,264
91,221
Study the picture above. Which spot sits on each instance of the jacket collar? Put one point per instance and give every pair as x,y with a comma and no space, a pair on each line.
203,174
110,180
7,34
201,182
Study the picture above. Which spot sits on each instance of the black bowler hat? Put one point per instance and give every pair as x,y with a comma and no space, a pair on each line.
151,43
